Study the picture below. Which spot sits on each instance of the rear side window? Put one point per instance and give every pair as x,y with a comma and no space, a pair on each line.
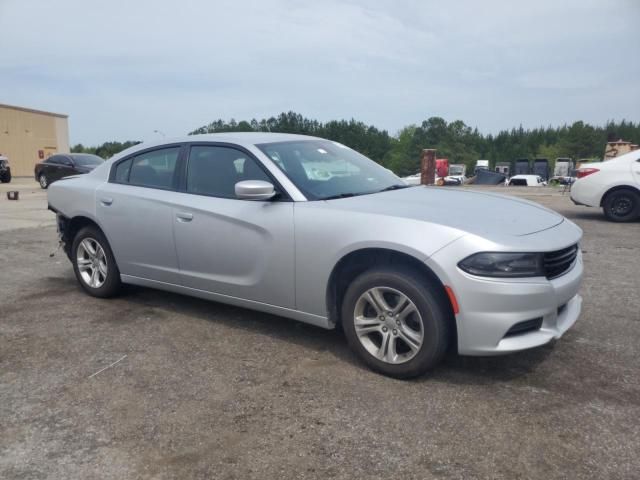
215,170
155,169
122,171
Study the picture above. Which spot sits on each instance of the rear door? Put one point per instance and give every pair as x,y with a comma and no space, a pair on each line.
135,209
51,168
65,168
239,248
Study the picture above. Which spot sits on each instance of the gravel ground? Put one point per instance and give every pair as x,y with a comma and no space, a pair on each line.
203,390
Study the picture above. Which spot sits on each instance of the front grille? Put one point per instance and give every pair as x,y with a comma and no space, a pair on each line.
524,327
559,262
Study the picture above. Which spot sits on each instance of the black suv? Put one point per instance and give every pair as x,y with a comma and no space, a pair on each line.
5,170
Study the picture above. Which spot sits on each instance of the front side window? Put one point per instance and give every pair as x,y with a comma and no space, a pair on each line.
153,169
323,169
214,170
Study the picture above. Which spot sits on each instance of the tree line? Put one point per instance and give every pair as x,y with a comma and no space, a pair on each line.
106,150
455,140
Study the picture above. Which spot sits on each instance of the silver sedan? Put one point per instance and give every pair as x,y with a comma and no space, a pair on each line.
310,229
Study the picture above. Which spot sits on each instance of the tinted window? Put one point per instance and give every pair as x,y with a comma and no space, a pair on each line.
87,160
122,171
216,170
55,160
150,169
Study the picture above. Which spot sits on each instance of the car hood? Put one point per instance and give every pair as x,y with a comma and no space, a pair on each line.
478,213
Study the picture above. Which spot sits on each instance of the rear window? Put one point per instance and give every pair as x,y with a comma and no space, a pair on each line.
87,160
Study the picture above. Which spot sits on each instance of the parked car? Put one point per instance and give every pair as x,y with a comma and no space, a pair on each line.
413,179
5,170
63,165
457,171
613,185
527,181
236,218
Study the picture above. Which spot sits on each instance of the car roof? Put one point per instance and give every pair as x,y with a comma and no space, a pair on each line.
244,139
241,138
73,155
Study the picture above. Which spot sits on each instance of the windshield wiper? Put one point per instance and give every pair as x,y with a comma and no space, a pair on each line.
340,195
394,187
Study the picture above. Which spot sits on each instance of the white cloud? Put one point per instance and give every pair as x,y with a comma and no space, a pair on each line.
122,69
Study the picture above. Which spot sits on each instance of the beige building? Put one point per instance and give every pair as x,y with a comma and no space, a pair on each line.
29,136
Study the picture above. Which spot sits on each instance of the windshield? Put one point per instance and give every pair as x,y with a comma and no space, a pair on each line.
87,160
455,169
322,169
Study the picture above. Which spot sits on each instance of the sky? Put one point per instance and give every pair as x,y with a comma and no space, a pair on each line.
122,69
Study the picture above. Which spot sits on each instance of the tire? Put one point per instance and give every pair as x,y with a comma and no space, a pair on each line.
44,182
5,177
96,272
423,321
621,205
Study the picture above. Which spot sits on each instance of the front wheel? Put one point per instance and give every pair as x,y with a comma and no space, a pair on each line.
44,182
5,177
94,264
621,205
396,322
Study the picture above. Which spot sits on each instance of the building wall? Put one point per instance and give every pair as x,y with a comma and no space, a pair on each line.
28,136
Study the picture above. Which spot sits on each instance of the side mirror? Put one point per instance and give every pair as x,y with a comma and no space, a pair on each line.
254,190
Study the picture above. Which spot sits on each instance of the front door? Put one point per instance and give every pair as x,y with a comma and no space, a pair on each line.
239,248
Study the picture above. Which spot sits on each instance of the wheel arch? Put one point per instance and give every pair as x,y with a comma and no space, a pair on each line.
358,261
71,226
618,188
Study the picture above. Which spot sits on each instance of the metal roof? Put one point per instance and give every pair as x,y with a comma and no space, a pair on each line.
31,110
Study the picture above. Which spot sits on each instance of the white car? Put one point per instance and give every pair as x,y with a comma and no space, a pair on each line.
613,185
527,181
413,179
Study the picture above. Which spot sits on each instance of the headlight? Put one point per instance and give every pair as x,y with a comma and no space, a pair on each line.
503,264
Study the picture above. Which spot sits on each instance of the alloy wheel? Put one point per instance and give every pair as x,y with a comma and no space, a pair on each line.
92,263
621,206
388,325
43,181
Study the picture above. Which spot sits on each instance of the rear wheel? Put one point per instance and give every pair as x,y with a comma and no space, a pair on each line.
5,177
396,322
621,205
94,264
44,182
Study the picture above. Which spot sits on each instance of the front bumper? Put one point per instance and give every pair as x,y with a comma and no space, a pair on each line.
489,308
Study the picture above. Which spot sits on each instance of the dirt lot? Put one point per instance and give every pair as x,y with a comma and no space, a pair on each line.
204,390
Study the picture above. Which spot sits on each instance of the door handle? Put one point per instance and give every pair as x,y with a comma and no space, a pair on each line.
106,201
184,216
